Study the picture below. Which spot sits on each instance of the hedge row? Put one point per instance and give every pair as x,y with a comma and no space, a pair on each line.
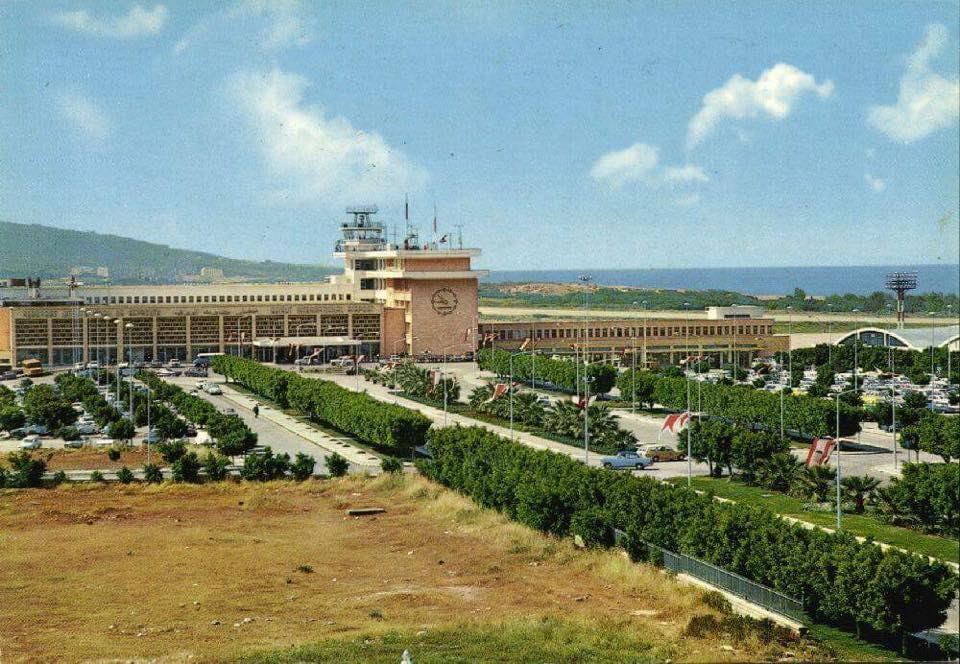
388,426
808,416
841,582
561,373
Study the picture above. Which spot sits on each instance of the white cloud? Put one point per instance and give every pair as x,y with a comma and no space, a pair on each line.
86,117
636,163
772,94
272,24
874,183
688,173
927,101
641,163
316,156
135,23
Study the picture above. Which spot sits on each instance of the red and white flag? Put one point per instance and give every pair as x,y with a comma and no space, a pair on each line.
582,401
675,422
526,342
498,391
819,452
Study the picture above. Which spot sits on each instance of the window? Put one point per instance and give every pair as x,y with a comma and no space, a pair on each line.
190,299
326,297
244,298
348,296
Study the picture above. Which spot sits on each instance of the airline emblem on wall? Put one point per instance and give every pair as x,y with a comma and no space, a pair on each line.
444,301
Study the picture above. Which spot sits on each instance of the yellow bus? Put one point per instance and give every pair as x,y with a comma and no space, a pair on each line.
32,368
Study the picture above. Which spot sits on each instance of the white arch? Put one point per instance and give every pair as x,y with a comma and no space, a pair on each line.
879,330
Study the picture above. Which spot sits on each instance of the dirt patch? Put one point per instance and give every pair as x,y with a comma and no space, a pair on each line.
210,571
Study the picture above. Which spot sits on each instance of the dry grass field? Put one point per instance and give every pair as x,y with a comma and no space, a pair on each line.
93,458
227,571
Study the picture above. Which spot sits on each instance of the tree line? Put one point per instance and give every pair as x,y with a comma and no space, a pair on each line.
855,586
562,374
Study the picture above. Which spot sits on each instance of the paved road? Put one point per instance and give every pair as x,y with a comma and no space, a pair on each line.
268,433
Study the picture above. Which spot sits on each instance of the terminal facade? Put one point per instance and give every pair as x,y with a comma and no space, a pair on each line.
410,298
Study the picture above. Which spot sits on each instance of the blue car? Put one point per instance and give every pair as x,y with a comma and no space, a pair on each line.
626,460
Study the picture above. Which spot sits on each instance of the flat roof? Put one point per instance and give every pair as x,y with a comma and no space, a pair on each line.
267,342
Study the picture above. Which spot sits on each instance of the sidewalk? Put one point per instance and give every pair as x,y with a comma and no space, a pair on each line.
329,444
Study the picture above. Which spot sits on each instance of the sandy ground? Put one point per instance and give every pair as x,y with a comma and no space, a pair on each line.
207,572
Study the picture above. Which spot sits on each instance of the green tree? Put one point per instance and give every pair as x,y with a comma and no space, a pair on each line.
215,466
25,470
43,405
816,481
152,473
265,466
302,466
11,417
780,472
859,489
124,475
711,441
749,450
337,466
172,450
123,429
392,465
187,468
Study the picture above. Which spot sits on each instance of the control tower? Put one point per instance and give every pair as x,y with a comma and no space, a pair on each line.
428,291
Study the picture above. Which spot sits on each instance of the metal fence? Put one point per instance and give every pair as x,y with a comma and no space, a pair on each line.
740,586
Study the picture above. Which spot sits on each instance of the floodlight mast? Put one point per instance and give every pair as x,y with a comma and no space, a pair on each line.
900,283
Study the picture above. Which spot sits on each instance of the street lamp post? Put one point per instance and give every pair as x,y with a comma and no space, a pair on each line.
933,329
829,334
838,456
129,326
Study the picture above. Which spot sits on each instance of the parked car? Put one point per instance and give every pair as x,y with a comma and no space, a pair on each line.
196,372
662,453
212,388
87,428
74,444
8,375
30,443
153,436
191,431
30,430
626,459
229,411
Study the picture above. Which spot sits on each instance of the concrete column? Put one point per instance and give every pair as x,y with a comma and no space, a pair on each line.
189,340
154,337
85,340
220,321
286,325
49,341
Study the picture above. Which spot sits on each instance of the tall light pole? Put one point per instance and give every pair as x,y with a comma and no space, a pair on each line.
838,456
98,316
893,406
933,329
633,382
443,377
118,323
129,326
686,380
856,361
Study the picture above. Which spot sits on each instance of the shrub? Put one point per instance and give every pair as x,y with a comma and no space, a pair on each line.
124,475
123,429
842,582
561,373
337,466
215,466
152,473
186,468
11,417
69,433
59,477
96,476
171,451
594,526
360,415
113,454
25,471
302,466
925,495
42,404
265,466
392,465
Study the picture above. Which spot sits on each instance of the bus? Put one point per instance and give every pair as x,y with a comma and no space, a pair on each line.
204,359
32,367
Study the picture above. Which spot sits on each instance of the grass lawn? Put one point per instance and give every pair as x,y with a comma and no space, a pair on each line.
279,572
864,525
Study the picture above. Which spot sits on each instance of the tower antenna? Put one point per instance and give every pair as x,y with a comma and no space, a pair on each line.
900,283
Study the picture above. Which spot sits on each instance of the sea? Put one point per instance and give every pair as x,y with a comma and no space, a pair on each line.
821,280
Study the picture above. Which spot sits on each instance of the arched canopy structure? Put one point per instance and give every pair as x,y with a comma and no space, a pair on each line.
916,338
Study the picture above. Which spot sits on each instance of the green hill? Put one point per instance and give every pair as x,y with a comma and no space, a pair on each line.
32,250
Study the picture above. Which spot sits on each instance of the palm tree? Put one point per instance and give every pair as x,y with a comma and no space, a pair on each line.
780,472
893,508
816,480
859,489
563,418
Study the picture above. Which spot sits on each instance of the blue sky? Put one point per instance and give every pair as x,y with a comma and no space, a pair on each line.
561,135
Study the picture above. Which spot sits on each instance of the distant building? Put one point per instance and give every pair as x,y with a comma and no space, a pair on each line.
211,274
390,299
103,272
912,338
736,311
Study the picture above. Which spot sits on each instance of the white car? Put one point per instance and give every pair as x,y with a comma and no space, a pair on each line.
30,443
212,388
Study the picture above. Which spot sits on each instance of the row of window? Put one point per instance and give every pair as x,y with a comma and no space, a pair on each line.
199,299
631,332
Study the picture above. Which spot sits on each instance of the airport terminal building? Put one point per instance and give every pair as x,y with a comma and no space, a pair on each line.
409,298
